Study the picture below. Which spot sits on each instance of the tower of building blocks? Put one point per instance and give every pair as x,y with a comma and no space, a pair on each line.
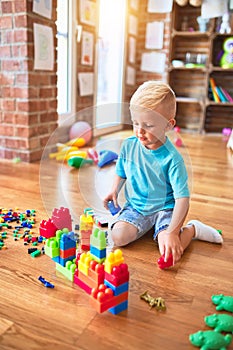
85,229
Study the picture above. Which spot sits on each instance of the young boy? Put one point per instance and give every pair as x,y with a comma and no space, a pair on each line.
156,181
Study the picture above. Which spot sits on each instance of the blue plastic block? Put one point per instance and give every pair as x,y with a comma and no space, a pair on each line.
119,308
64,261
113,210
67,241
99,253
117,290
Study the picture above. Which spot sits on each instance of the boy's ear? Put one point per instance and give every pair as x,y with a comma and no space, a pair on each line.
170,125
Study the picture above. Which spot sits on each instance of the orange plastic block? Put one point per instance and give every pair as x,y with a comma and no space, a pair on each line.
84,263
113,259
102,298
96,272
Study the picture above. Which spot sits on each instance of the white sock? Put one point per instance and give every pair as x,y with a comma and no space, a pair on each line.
204,232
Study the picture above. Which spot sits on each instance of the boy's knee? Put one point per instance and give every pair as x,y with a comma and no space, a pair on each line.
123,234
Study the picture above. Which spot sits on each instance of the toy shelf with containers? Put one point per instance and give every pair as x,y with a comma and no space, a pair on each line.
196,54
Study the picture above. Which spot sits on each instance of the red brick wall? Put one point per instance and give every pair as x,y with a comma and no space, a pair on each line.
28,97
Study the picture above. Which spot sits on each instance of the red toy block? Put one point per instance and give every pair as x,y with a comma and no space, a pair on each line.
62,218
164,265
81,284
67,253
102,298
47,228
85,247
119,275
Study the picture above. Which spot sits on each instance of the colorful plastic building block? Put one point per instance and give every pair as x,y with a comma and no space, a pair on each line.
84,262
220,322
102,298
98,239
61,218
113,210
119,275
223,302
208,340
68,270
113,259
165,264
47,228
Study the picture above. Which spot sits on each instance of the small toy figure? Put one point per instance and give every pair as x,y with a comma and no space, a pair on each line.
225,25
45,283
223,302
220,322
208,340
158,303
226,60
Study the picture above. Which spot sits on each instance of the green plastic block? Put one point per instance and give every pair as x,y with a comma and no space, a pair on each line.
98,239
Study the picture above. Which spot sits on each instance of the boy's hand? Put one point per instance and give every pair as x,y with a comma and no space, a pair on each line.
111,197
169,243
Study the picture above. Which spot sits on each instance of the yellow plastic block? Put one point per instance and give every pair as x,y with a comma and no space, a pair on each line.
113,259
84,263
86,222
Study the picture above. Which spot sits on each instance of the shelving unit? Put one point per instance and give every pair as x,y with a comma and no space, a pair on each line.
196,110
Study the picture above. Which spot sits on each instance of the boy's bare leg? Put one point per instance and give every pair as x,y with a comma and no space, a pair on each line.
123,233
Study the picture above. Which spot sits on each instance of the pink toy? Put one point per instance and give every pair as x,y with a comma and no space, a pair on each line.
162,264
61,218
93,155
81,130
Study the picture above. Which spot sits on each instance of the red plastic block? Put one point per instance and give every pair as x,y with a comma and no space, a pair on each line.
48,228
67,253
119,275
162,264
81,284
85,247
62,218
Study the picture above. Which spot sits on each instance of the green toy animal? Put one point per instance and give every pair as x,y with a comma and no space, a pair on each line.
210,340
223,302
220,322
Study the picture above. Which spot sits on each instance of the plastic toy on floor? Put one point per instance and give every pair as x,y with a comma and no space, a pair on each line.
164,265
78,162
220,322
223,302
210,340
106,157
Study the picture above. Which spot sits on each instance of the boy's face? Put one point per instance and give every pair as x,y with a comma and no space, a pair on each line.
150,128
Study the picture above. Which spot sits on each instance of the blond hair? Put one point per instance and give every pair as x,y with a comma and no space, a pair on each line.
155,95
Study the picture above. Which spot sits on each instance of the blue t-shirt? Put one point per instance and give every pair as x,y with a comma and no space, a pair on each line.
154,178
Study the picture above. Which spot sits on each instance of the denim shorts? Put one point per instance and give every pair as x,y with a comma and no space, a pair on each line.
160,220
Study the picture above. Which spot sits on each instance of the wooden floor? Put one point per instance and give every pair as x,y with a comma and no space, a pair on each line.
34,317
